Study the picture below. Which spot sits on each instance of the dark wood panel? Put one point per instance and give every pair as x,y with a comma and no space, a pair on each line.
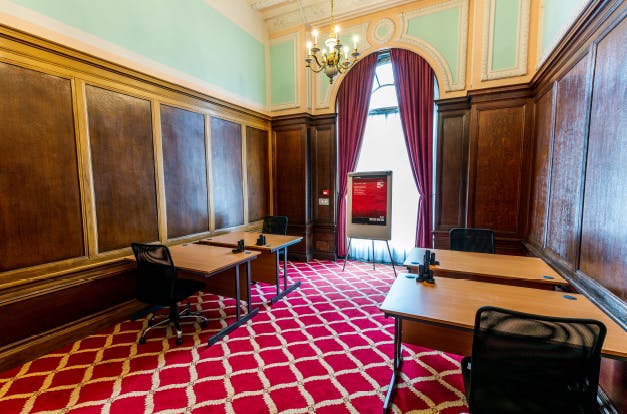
40,212
228,192
562,233
604,225
324,161
258,173
45,304
612,379
323,176
185,171
120,132
451,167
292,178
291,166
496,169
540,168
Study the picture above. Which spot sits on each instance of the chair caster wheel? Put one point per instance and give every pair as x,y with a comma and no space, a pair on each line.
179,341
142,340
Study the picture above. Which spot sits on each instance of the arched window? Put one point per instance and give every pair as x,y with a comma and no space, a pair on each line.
383,148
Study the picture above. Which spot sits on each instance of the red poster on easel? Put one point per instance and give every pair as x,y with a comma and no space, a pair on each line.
369,202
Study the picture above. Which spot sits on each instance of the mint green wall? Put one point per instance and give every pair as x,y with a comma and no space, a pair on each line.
557,15
441,30
505,30
282,73
188,36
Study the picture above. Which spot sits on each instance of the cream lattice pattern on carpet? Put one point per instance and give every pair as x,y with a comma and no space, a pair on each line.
325,348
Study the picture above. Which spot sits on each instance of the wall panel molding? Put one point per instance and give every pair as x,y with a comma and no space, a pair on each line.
522,42
82,71
451,82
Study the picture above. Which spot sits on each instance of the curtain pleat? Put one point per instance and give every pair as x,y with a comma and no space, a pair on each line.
353,99
414,87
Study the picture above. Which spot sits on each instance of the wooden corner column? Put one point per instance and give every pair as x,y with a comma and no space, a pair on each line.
451,167
324,186
292,178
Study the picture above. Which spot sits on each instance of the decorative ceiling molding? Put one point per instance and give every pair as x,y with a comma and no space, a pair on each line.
284,14
383,30
264,4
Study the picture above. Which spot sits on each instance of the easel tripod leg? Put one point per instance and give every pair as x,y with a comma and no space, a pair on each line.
350,240
390,253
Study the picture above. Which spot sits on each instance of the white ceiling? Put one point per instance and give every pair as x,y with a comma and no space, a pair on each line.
284,14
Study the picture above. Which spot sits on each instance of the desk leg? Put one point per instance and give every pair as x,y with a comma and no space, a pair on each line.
286,289
239,321
284,268
277,266
248,283
238,304
398,361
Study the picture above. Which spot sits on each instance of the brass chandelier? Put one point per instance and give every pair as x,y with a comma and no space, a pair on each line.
334,59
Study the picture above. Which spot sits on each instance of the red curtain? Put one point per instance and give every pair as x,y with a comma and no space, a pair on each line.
353,99
414,87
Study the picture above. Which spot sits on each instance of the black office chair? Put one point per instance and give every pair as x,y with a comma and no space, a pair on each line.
531,364
471,240
274,225
159,285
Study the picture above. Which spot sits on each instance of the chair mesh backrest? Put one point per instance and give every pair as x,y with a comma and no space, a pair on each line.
275,225
524,363
472,240
156,274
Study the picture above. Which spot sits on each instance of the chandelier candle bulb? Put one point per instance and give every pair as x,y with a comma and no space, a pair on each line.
330,60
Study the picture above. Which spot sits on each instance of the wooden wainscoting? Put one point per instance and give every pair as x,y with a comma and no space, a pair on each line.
184,171
579,197
451,165
41,315
96,156
323,186
291,167
477,137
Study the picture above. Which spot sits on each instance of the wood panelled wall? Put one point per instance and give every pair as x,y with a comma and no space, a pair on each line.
291,149
579,191
305,159
324,186
94,157
578,207
482,165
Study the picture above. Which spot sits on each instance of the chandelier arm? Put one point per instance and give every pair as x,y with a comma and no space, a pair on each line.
315,59
315,70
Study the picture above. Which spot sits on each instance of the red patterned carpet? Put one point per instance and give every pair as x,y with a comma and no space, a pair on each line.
325,348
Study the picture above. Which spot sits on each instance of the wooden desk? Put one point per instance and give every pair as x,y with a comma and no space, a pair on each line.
495,268
267,267
442,316
207,261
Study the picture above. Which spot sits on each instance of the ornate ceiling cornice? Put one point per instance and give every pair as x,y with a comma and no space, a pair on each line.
284,14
